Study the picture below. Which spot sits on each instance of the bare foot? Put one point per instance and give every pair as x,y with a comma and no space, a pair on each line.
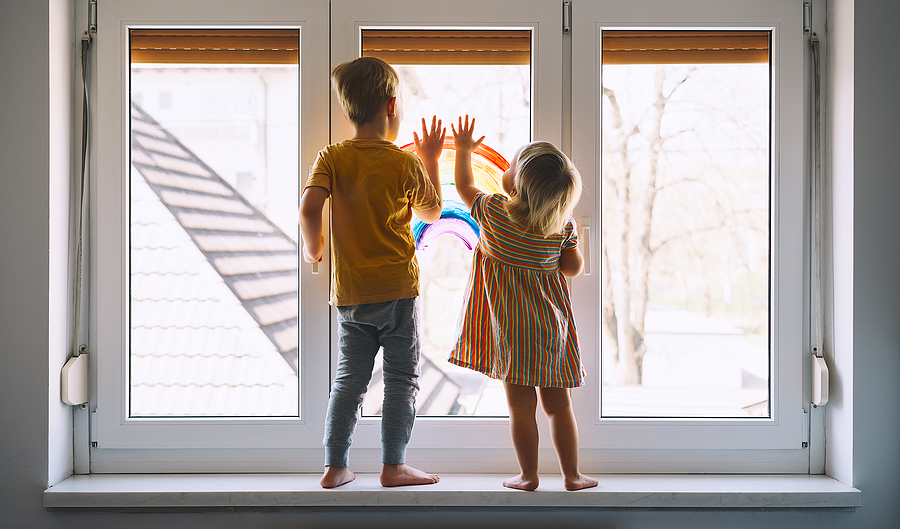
336,476
581,482
399,475
519,482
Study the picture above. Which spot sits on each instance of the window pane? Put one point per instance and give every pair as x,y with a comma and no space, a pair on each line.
499,97
213,234
685,240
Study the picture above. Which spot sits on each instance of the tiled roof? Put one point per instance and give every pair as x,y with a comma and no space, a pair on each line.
195,350
256,260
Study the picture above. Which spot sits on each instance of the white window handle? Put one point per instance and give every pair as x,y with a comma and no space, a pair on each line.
585,224
315,266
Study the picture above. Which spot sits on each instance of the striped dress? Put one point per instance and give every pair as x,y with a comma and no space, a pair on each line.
517,323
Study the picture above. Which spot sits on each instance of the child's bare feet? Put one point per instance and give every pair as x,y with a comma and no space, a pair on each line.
399,475
521,483
336,476
581,482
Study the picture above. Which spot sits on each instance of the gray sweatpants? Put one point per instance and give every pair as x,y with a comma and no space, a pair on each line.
362,331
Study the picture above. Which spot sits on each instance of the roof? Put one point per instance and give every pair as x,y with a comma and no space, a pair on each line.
257,261
214,298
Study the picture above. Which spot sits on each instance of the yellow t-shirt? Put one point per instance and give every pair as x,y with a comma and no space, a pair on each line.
374,185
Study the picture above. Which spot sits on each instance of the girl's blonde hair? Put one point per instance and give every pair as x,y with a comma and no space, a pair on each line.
547,186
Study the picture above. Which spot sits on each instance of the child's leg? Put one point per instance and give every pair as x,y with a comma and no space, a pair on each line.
400,342
522,403
564,432
358,344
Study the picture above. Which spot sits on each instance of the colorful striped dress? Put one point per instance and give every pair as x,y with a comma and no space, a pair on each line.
517,323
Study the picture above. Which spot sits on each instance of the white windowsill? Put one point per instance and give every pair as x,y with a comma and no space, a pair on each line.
454,490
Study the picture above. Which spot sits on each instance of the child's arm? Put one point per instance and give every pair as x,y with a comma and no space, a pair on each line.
571,262
465,144
311,203
429,151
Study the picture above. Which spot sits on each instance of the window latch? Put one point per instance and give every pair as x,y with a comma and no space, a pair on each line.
819,379
92,16
807,18
585,224
74,379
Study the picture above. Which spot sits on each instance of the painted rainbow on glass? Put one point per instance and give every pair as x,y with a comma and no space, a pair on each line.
488,167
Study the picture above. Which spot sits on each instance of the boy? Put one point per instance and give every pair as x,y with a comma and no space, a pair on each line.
375,188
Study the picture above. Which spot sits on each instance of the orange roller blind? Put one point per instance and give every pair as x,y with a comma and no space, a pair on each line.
685,47
448,46
215,46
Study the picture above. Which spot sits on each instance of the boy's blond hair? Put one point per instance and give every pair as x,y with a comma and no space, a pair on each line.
363,86
547,188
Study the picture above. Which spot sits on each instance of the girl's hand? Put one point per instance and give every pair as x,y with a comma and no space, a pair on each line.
463,136
462,172
431,145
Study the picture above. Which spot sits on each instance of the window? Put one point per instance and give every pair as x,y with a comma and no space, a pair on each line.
200,298
532,92
135,430
685,199
214,305
699,278
530,101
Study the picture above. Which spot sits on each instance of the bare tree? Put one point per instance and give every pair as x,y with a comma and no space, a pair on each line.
626,264
635,232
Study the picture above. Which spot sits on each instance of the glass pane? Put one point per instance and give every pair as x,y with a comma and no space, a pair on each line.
685,240
213,240
499,97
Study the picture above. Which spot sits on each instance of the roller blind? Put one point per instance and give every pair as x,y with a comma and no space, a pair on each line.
214,46
685,47
448,46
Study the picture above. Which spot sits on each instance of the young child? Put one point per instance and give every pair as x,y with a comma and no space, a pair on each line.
517,323
375,188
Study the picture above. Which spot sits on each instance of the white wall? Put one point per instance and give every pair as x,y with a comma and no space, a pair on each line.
876,251
27,161
33,426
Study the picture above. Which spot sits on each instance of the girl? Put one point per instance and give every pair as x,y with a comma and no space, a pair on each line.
517,324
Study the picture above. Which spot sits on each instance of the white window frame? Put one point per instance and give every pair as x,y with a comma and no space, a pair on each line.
455,444
775,444
450,444
123,444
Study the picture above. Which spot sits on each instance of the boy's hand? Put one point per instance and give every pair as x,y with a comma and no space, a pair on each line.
431,145
463,136
429,151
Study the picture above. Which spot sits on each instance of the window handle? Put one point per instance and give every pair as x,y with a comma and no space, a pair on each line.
315,266
585,224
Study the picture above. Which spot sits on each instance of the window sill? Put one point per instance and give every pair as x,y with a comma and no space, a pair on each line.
302,490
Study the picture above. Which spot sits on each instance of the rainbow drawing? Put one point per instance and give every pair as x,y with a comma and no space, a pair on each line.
488,167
